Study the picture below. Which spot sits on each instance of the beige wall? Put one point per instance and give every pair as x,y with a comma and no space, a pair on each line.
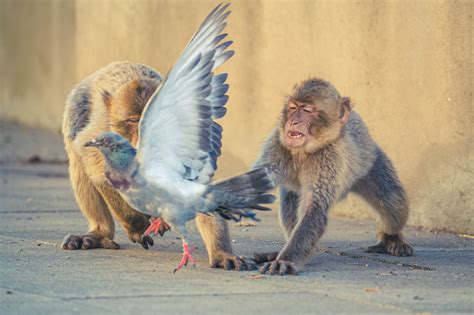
407,65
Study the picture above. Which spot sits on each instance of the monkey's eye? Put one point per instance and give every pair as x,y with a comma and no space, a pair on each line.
133,120
292,107
308,109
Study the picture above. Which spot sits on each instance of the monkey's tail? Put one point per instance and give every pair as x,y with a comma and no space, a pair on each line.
234,197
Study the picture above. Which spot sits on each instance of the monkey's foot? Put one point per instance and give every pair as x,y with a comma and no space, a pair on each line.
393,245
261,258
157,226
186,257
279,267
229,261
87,241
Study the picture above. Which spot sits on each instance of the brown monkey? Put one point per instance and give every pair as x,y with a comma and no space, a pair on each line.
112,99
321,150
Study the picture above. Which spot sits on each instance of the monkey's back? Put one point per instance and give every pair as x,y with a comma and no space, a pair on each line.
86,114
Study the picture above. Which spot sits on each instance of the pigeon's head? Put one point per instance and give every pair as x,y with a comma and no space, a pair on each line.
118,151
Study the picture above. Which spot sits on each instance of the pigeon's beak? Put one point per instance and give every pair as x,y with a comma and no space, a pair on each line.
92,143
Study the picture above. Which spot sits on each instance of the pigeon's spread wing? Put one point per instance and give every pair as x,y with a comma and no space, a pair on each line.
177,132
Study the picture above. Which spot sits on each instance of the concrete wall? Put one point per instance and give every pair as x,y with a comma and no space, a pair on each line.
407,65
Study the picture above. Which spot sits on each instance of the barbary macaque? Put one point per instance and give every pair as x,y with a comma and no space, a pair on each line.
112,99
321,150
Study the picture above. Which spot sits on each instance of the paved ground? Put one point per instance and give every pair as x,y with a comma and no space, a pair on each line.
37,209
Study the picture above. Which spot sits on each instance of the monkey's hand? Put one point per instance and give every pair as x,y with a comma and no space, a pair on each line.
279,267
229,261
138,235
136,226
145,241
88,241
261,258
142,239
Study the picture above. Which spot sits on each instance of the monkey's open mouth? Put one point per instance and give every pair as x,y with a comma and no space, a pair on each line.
295,134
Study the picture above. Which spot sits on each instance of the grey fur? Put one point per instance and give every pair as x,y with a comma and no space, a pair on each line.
311,182
288,210
80,99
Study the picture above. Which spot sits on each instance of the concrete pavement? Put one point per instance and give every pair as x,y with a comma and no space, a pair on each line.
37,209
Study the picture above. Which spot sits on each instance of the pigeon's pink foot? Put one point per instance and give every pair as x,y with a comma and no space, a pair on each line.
157,226
186,257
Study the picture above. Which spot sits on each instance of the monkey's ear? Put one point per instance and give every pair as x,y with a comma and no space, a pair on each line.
345,110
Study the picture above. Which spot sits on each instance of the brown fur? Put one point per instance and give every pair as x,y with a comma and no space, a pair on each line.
112,99
336,157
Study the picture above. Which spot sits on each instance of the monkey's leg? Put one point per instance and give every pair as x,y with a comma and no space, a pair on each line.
101,224
288,217
134,222
384,192
215,233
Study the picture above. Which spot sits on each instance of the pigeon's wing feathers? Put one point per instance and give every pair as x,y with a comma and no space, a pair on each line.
177,131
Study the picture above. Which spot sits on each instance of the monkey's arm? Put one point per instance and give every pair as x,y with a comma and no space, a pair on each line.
311,224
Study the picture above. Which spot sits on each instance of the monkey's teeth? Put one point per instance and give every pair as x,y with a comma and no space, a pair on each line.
295,134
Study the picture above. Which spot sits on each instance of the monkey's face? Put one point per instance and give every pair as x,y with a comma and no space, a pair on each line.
310,125
313,116
302,120
126,108
126,125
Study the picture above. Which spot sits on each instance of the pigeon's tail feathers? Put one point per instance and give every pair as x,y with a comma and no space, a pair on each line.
237,196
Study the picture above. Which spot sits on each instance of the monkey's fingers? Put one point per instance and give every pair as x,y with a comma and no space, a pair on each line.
261,258
395,248
71,242
399,249
265,267
228,263
143,239
280,267
146,240
88,241
249,263
232,262
108,244
377,249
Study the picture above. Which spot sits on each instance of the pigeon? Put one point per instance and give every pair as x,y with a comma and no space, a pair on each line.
168,175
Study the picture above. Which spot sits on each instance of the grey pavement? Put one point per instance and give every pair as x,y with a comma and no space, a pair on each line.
37,209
